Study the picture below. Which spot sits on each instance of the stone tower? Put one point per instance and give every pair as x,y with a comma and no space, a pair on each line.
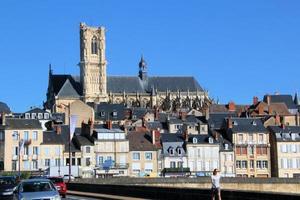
93,63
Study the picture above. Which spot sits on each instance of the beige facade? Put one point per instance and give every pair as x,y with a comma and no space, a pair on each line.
51,155
143,163
252,154
29,157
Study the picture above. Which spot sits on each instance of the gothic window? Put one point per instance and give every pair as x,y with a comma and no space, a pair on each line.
94,46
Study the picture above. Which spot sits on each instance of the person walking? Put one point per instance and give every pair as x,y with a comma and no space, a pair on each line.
215,185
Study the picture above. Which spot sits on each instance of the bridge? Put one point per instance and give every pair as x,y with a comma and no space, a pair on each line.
186,188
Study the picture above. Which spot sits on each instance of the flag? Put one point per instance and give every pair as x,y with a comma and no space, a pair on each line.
73,121
21,145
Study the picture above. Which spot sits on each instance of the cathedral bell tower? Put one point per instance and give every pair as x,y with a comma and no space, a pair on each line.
93,64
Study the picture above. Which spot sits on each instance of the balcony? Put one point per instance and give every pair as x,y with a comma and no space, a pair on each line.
15,157
114,166
25,157
34,157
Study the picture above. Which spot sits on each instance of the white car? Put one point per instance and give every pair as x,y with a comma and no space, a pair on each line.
66,177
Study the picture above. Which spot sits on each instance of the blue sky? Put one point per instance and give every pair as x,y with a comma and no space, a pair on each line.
235,49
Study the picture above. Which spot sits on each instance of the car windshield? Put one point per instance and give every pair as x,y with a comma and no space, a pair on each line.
38,186
7,181
56,180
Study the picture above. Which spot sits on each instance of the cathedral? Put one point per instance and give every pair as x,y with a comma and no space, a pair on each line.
95,86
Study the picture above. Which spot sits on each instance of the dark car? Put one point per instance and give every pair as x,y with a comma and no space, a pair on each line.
7,186
60,185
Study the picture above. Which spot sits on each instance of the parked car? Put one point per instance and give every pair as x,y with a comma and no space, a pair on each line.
36,189
66,177
7,186
60,185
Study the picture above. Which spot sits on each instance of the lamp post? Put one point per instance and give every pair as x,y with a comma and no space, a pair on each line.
20,143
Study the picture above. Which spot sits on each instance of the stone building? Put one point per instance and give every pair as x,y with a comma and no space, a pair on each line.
93,84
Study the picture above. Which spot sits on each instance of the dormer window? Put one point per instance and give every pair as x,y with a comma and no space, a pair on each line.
115,113
210,140
27,115
195,141
254,123
40,115
226,146
102,113
293,136
171,151
179,151
235,123
46,115
94,46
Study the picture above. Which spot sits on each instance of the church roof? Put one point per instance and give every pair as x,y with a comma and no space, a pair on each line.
69,86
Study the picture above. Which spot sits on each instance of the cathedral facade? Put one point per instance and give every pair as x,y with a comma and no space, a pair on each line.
94,86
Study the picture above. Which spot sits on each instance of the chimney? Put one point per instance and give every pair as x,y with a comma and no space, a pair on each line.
216,135
156,137
109,124
229,123
260,109
185,136
255,100
268,99
270,110
182,115
231,106
156,114
3,119
207,113
277,120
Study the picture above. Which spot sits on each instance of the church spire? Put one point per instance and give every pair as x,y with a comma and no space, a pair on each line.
142,69
296,99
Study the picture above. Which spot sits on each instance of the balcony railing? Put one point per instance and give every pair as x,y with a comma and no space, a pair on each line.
114,166
34,157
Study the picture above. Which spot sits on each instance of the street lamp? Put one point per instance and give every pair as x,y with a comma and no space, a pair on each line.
20,144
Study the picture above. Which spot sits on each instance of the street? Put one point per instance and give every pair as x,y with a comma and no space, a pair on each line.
71,197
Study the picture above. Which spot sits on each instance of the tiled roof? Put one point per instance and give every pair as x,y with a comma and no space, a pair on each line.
139,141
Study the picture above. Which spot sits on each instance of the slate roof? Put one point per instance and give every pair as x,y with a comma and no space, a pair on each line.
154,125
216,120
140,142
174,141
287,99
36,110
201,139
108,110
139,112
71,87
247,125
283,134
59,80
82,141
4,108
51,137
12,123
65,131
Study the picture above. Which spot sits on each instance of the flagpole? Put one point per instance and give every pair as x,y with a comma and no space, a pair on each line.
70,157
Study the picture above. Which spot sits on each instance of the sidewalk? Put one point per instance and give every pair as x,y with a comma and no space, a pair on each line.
102,196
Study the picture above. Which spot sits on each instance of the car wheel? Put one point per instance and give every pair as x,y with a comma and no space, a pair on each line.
63,196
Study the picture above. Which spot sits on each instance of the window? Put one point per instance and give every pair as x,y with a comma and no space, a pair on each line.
34,164
260,138
35,151
148,156
67,161
238,164
33,116
240,139
179,151
46,150
26,135
34,135
40,115
73,161
88,161
94,45
57,162
136,156
15,135
260,150
251,164
16,151
251,150
102,113
26,150
47,162
283,148
26,165
265,164
226,146
110,158
180,164
115,113
250,139
100,160
244,164
172,164
46,115
14,165
210,140
1,136
57,151
171,151
195,141
79,161
27,115
87,149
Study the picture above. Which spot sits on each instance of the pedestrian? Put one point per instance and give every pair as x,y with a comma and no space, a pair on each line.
215,185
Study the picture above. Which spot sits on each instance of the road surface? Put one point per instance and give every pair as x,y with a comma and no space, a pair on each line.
72,197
